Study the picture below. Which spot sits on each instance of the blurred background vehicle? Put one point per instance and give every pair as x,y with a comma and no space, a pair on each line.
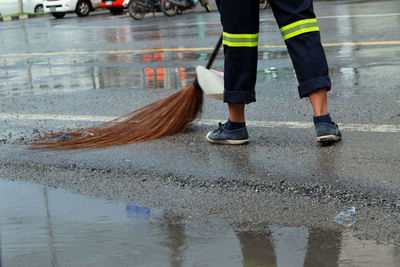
137,9
116,7
183,5
58,8
8,7
264,4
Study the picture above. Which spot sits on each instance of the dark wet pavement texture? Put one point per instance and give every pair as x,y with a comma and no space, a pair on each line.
85,79
102,66
44,226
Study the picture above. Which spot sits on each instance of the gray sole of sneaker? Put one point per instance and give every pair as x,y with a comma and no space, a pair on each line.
227,142
328,138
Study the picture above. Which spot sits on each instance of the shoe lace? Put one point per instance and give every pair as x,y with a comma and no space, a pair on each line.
221,126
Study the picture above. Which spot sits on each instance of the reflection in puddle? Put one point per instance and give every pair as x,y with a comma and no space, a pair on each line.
152,34
273,73
36,79
49,227
62,74
163,70
133,71
39,75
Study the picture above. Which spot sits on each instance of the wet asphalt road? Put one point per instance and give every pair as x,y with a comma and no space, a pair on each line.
58,228
99,66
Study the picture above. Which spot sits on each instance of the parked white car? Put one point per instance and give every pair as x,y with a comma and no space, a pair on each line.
58,8
8,7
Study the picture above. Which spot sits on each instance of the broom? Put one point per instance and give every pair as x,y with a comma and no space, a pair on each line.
166,117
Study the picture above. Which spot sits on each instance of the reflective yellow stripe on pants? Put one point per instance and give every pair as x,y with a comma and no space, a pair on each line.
299,27
240,40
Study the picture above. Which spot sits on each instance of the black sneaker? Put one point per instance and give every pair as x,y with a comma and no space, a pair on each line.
228,137
327,132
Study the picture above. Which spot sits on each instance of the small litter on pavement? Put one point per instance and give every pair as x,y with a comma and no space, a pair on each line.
345,217
63,137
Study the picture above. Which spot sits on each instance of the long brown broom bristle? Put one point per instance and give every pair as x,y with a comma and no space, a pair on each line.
166,117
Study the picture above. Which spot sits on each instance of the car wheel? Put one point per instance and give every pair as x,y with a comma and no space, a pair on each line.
82,8
58,15
39,9
116,10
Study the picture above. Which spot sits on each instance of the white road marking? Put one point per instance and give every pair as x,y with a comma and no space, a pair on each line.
377,128
359,16
58,117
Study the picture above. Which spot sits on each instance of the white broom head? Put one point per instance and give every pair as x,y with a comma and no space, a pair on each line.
211,82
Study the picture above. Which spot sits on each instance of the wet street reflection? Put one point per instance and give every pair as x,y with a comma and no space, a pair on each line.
84,67
53,75
165,71
44,226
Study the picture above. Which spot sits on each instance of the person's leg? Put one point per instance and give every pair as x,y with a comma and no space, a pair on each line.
300,31
299,28
240,22
319,102
236,112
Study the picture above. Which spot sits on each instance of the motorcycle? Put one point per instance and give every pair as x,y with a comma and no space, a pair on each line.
182,5
137,9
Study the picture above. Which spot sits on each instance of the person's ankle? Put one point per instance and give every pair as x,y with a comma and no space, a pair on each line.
326,118
231,125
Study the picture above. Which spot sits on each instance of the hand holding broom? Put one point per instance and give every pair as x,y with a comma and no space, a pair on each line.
166,117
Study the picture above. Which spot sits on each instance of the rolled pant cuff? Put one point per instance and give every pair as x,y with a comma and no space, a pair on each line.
313,85
239,97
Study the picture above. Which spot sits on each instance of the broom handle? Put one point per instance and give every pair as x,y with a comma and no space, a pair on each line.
210,61
214,54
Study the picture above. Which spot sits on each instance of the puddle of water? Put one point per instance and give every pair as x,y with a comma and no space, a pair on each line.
34,80
74,73
147,71
42,226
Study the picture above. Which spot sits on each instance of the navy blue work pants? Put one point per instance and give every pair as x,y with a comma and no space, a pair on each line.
300,31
